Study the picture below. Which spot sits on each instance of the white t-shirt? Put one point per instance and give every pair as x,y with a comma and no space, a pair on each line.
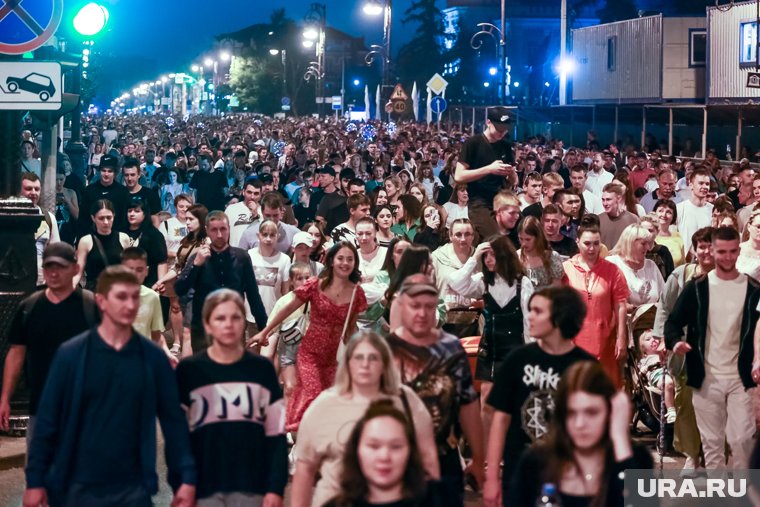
240,218
691,218
149,316
370,267
645,284
45,235
270,273
454,211
724,325
174,231
593,203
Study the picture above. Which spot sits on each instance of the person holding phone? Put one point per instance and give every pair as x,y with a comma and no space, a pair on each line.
486,166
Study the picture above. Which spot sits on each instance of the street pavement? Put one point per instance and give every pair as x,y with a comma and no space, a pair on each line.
12,474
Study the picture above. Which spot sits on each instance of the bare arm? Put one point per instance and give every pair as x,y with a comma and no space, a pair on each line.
498,435
11,372
463,174
472,427
622,334
85,245
73,201
303,483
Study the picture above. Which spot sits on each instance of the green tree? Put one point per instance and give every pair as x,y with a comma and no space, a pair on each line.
422,56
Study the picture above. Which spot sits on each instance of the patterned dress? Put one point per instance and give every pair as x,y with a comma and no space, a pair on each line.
316,360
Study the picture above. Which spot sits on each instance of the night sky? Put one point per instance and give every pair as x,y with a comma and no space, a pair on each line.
180,30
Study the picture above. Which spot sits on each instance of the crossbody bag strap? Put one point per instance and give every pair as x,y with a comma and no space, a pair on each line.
348,315
99,245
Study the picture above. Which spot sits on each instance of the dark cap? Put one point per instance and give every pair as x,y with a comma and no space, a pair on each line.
499,115
328,169
59,253
109,161
347,174
266,178
411,288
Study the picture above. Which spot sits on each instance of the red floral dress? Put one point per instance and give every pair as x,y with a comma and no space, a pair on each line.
316,363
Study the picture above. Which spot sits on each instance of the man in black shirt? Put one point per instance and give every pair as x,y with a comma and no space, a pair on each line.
331,199
552,222
523,391
130,172
214,266
485,166
105,188
210,184
41,324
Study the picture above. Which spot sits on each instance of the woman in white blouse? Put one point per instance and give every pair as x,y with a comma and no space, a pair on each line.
457,205
644,279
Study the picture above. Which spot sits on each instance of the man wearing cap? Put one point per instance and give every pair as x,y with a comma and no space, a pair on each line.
485,165
434,364
105,188
47,232
43,321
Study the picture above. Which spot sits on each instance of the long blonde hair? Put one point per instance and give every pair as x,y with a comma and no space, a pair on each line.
390,380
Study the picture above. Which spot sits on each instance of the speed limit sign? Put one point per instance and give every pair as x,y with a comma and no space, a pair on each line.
399,106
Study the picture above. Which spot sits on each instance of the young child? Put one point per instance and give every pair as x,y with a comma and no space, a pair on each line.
299,273
150,319
652,366
270,266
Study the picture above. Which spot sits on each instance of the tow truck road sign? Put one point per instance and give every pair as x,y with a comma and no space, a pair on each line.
25,26
30,86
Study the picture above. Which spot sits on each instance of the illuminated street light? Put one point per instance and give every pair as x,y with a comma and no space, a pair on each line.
208,62
225,56
195,68
357,82
486,84
274,52
164,79
310,33
567,66
373,8
517,84
91,19
492,71
308,43
546,84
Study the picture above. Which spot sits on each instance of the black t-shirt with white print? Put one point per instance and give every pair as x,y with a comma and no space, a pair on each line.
524,388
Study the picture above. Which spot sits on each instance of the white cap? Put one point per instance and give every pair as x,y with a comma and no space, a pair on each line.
303,238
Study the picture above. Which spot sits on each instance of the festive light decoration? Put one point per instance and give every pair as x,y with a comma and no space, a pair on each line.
201,125
278,148
169,122
351,127
186,117
257,123
390,127
368,132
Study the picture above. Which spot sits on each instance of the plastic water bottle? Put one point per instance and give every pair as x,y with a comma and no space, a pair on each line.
549,496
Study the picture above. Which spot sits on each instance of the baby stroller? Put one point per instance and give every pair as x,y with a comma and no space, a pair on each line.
647,399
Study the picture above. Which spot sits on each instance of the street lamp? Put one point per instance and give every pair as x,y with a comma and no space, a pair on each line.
375,8
90,19
314,35
499,37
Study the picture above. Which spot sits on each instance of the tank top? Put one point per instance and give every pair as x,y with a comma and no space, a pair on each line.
96,263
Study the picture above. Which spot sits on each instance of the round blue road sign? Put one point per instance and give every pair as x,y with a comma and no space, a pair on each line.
25,26
438,104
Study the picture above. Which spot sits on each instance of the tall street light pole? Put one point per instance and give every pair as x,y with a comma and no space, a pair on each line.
375,8
315,22
499,35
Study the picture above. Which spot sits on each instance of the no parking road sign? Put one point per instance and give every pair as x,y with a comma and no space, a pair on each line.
30,85
27,25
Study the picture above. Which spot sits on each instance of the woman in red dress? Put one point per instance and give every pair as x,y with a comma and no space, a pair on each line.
330,296
605,291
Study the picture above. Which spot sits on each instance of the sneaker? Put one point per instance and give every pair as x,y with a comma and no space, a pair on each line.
689,467
670,416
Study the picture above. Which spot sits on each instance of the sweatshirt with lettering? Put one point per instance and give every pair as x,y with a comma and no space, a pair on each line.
236,415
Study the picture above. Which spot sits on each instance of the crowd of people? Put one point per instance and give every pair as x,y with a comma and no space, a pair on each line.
288,298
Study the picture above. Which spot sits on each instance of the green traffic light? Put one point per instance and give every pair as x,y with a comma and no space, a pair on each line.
91,19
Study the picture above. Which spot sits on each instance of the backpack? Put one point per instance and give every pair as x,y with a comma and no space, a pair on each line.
89,307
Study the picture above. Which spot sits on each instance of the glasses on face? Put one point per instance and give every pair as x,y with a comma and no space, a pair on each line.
361,358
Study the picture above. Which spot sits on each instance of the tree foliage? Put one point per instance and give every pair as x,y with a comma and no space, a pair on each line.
422,56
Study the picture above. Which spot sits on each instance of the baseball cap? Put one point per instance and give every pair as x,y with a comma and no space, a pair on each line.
411,288
109,161
59,253
499,115
303,238
328,169
260,142
266,178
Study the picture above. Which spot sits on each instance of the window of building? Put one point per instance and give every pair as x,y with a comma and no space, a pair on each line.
697,47
748,45
611,52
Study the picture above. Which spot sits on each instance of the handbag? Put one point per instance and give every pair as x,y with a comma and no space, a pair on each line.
293,331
